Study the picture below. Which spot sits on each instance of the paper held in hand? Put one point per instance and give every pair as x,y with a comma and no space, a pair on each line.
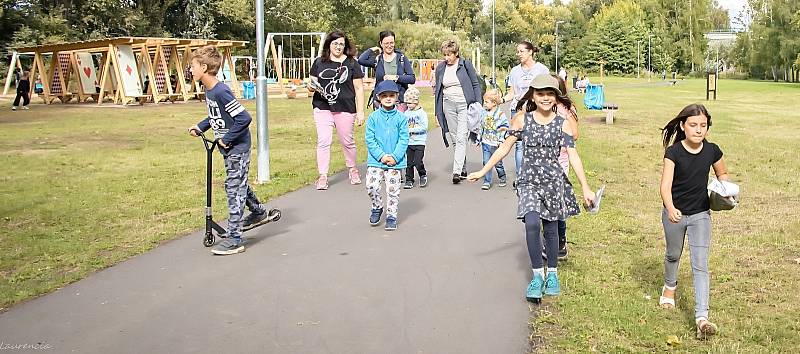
598,197
723,195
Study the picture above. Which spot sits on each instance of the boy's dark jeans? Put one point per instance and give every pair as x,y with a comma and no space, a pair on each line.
414,155
239,192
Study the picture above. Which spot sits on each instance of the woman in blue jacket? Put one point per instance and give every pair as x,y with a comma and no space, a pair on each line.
457,87
389,64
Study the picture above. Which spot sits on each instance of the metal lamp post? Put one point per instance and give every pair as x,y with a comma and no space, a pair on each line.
261,99
649,58
557,22
494,72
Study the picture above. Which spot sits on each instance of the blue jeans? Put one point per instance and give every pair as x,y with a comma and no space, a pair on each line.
488,150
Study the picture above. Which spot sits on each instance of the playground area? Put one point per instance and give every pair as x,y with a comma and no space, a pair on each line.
152,178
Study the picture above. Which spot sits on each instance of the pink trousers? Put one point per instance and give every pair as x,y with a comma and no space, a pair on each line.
344,123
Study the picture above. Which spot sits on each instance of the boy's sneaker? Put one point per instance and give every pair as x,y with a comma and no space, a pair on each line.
456,179
254,219
486,186
391,223
25,107
551,285
355,178
534,291
375,217
228,246
502,182
423,181
322,183
409,184
13,108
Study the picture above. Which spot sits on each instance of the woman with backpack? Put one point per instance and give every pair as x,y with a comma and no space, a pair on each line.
389,64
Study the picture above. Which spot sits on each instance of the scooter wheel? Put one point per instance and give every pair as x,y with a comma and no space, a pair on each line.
208,241
274,215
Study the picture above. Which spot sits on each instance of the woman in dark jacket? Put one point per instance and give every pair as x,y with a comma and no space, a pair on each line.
389,64
457,87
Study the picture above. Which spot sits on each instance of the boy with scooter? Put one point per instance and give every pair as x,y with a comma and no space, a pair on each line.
229,121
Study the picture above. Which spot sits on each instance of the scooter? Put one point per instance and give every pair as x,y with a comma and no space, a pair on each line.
212,228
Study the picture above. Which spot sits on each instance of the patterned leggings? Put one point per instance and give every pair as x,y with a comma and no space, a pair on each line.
375,177
239,192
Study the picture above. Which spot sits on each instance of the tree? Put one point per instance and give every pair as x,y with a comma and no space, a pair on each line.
612,37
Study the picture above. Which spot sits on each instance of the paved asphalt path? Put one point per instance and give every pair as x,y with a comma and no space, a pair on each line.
451,279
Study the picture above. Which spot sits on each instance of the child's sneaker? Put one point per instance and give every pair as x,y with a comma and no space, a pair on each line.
486,186
228,246
409,184
254,219
456,179
25,107
423,181
375,217
562,250
534,291
322,182
13,108
355,178
502,182
391,223
551,285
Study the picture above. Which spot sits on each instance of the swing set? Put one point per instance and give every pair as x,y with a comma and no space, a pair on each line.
293,53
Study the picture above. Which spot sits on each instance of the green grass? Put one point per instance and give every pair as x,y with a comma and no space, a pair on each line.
86,187
612,282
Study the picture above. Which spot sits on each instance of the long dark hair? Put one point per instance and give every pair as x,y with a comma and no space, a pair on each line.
529,46
564,97
349,49
527,102
672,129
384,34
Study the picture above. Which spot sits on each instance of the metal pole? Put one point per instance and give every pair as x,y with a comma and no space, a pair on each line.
638,60
556,47
649,57
261,98
494,73
557,68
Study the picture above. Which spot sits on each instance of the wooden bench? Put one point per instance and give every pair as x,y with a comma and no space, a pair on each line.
609,109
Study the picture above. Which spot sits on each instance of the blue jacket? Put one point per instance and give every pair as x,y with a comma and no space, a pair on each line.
418,126
386,133
469,84
405,73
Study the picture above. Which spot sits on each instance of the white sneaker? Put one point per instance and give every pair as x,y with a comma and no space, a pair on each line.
25,107
13,108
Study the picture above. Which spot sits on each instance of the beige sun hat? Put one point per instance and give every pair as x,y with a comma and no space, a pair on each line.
546,81
411,95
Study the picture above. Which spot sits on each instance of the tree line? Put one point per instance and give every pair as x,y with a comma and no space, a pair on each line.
626,35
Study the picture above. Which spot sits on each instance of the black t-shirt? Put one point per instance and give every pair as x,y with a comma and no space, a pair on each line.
336,79
689,184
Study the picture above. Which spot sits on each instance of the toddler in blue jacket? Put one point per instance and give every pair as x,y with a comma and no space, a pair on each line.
387,140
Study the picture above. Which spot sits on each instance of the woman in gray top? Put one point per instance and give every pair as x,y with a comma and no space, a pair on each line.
456,88
520,79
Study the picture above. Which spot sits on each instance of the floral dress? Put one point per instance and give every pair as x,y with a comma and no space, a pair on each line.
542,185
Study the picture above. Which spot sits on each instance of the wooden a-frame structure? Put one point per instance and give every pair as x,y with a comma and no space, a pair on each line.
157,58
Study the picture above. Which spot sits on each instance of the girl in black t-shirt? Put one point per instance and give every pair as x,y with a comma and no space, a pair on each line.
337,83
687,161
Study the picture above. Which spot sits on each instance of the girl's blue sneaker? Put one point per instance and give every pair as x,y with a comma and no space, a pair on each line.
375,216
534,292
551,285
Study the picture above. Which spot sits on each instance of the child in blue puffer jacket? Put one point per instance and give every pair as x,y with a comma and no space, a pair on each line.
387,140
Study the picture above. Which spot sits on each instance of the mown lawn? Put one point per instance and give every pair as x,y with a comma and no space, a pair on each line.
613,278
84,188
